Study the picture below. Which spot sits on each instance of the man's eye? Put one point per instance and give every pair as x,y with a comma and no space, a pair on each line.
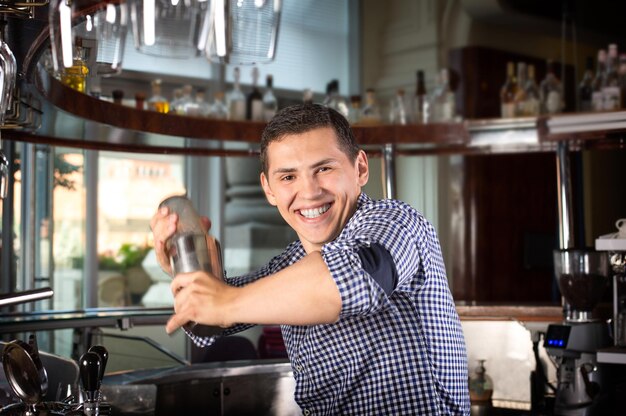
323,169
287,178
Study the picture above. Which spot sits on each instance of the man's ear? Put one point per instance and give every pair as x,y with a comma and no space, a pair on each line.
268,191
362,165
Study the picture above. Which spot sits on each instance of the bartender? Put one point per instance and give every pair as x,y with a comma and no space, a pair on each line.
362,297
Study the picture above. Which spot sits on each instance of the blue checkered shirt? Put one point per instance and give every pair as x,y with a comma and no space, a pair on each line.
397,354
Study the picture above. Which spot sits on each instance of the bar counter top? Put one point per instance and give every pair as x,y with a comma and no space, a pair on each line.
502,311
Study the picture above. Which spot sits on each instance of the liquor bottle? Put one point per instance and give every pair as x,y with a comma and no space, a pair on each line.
354,113
585,88
186,98
597,98
443,101
421,100
610,88
76,76
507,92
398,113
157,102
334,100
118,96
140,101
481,390
235,100
520,98
270,104
532,93
219,109
177,95
254,100
370,113
197,107
551,92
307,96
622,79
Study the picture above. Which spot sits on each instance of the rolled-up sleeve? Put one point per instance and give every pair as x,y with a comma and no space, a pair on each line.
373,245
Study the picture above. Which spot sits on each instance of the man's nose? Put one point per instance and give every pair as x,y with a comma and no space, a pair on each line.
310,187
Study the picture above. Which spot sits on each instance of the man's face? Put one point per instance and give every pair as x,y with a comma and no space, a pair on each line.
313,184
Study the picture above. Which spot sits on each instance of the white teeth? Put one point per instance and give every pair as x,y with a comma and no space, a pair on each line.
314,212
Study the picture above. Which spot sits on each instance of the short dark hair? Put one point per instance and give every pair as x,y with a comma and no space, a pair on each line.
301,118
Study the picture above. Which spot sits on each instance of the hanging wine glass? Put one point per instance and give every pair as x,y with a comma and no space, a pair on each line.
168,28
87,42
243,31
8,72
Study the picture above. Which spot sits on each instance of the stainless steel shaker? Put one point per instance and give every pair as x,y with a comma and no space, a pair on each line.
190,249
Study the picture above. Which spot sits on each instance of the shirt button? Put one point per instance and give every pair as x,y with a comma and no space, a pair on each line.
306,412
299,368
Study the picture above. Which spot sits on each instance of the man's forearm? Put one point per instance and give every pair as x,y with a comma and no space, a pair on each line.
301,294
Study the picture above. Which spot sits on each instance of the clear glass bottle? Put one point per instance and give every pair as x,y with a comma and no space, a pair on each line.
197,107
597,97
307,96
551,92
443,100
185,100
270,104
398,109
235,100
177,95
585,88
532,93
354,115
334,100
157,101
507,92
480,386
219,109
254,100
622,79
421,105
610,88
370,114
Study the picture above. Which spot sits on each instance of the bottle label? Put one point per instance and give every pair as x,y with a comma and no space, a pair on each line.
553,102
257,110
238,110
597,101
507,110
269,113
612,98
531,106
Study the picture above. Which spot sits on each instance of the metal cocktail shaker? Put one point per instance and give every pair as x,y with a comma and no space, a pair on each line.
190,249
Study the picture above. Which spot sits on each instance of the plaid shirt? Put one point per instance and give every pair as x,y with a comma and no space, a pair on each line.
397,354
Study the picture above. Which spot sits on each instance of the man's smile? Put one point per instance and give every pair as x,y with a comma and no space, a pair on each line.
311,213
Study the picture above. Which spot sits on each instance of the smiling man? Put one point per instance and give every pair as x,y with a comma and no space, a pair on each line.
362,296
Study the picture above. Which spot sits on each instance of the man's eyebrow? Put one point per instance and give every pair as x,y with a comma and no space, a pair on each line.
279,171
283,170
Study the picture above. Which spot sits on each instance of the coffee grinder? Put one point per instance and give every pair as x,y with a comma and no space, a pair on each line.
615,245
582,388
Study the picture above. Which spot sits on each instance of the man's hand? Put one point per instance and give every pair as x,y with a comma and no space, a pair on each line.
202,298
163,224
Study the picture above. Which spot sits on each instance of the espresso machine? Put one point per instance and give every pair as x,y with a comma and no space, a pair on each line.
582,383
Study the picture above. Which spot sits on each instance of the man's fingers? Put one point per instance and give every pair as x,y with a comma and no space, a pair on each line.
175,322
206,224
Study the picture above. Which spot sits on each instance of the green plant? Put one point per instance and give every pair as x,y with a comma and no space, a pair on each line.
131,255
